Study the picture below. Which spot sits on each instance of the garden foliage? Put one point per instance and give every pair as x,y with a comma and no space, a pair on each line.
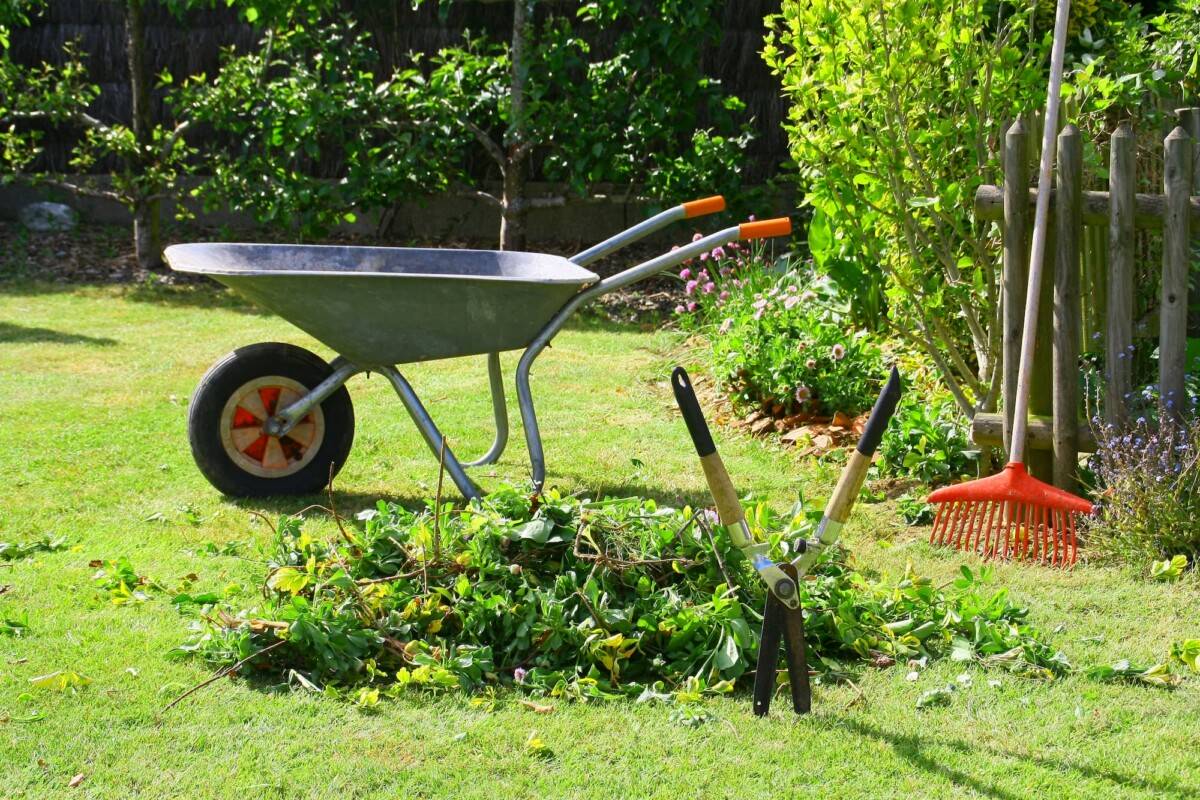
1149,476
897,113
567,596
312,99
779,335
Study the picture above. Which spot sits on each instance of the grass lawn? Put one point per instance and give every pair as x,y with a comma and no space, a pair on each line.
94,386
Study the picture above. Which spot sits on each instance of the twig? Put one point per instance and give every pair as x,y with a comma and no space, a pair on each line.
266,519
717,553
591,610
221,674
390,578
437,504
333,509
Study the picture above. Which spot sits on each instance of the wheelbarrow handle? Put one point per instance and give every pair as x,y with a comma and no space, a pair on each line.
688,210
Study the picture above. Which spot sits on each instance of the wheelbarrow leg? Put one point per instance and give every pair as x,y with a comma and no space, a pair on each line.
433,437
499,411
533,437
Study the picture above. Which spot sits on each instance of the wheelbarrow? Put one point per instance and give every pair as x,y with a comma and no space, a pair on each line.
274,418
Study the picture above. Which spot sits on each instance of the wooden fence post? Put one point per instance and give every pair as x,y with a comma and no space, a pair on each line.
1189,120
1172,334
1016,261
1118,358
1066,307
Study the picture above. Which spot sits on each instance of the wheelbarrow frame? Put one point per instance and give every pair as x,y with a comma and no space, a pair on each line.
343,369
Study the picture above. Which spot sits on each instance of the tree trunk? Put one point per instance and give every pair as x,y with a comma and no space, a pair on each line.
147,232
516,144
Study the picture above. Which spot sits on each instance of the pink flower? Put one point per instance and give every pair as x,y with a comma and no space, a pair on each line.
718,252
685,273
692,306
724,295
703,276
760,304
734,246
838,352
811,363
680,309
793,289
674,247
697,237
803,393
691,287
726,272
790,301
519,675
704,256
710,287
751,218
808,296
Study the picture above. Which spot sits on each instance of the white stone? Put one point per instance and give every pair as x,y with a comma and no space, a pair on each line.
48,217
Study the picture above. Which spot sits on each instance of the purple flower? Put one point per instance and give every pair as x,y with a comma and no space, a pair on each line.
519,674
838,352
803,393
685,273
691,287
680,309
710,287
718,252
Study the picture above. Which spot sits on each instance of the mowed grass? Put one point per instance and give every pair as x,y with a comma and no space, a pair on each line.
94,386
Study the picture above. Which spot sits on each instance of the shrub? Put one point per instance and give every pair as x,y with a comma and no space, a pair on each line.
779,337
1149,473
927,440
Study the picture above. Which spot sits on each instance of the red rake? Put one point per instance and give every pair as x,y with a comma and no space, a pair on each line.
1010,516
1014,515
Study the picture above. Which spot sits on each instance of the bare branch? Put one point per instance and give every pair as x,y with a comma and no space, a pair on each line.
489,144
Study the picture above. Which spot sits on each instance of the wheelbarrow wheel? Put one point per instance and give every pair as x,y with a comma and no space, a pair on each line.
239,394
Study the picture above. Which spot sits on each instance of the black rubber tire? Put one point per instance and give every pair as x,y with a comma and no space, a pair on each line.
234,371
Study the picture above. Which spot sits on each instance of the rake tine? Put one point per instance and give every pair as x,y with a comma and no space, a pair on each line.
987,530
952,514
1029,533
1050,537
964,525
1071,534
999,549
977,510
939,523
1061,539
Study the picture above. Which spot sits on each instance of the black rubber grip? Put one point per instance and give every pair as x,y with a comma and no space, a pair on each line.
685,396
877,423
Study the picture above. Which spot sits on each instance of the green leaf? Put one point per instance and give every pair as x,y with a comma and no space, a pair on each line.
61,681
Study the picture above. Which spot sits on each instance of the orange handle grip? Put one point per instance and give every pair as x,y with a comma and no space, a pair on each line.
765,229
707,205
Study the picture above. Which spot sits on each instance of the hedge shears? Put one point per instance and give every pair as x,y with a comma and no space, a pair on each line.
782,617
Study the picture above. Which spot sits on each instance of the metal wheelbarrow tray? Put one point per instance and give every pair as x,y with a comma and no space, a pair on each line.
273,418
